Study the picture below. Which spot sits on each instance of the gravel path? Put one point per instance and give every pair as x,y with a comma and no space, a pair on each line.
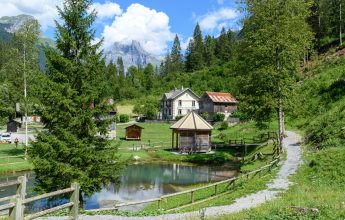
279,184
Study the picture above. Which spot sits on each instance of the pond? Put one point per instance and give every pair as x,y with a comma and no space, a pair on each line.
139,181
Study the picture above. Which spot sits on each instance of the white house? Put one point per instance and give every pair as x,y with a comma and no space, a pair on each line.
178,102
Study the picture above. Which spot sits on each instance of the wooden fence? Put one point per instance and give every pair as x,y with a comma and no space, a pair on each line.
151,146
192,192
16,203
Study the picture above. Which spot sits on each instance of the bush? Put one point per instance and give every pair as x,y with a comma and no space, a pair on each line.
124,118
218,117
179,117
223,126
204,115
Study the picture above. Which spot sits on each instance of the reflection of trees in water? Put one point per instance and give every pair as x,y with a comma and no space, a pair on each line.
142,181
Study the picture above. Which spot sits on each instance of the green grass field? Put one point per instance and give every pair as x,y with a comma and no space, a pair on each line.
242,130
11,159
153,133
158,137
125,109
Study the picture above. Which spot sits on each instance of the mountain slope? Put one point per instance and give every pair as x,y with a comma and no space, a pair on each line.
132,55
318,190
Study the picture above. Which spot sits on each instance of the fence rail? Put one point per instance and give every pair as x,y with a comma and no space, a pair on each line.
149,145
17,202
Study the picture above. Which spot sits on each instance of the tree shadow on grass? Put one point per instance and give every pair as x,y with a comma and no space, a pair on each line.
12,152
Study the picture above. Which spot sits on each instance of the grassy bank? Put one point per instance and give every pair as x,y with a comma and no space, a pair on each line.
156,139
319,190
318,187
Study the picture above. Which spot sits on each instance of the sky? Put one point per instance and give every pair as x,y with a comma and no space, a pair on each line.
154,23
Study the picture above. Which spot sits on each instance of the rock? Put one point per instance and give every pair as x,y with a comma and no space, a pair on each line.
132,55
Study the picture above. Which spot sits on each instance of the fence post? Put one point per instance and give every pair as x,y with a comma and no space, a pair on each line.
21,187
16,213
73,212
159,203
192,196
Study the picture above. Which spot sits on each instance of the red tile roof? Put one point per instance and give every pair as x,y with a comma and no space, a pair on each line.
221,97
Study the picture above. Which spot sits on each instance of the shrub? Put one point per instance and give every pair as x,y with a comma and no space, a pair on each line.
124,118
179,117
218,117
223,126
204,115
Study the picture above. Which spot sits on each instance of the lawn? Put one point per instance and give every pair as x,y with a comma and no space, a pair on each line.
11,159
157,137
242,130
153,133
125,109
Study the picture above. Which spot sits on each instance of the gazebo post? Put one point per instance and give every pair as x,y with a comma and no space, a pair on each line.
177,139
195,147
172,139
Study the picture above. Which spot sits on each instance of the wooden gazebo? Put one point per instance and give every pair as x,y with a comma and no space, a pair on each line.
133,132
191,134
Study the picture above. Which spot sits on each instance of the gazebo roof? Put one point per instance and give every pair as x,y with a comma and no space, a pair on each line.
192,121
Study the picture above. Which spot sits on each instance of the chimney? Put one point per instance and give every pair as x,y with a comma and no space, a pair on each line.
182,88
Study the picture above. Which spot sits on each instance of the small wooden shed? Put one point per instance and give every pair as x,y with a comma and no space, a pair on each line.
191,134
13,126
133,132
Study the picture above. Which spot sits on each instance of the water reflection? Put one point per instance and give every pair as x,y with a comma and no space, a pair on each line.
141,181
145,181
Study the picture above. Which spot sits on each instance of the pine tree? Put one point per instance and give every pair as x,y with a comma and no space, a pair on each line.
148,77
209,53
74,109
176,56
112,79
167,64
120,69
274,38
195,51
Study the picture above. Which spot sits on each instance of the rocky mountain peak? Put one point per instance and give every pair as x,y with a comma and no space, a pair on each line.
13,23
133,54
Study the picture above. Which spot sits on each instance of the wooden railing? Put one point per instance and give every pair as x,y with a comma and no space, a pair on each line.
149,145
18,201
192,192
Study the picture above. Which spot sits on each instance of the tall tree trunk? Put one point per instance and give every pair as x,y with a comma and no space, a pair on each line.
280,109
281,127
340,26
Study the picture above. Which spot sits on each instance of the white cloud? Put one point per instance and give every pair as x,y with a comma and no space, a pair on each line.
184,44
106,10
145,25
43,10
212,20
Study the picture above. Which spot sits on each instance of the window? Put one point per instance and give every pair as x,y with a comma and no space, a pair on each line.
180,112
193,103
179,102
169,111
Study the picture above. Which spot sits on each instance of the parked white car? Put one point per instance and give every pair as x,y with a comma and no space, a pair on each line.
6,137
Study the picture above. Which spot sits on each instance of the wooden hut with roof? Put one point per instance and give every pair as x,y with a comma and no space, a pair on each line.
191,134
133,132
